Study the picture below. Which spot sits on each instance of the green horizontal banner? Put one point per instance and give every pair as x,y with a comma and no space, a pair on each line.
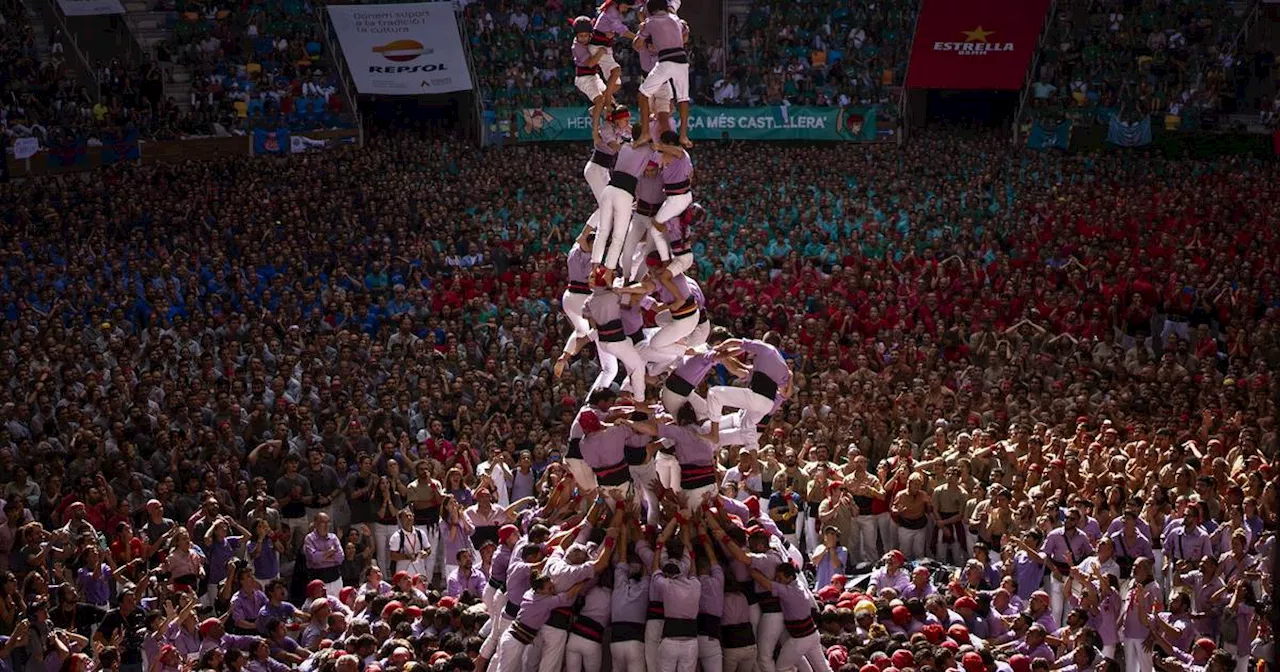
844,124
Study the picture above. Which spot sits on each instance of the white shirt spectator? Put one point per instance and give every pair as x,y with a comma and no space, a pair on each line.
520,20
857,37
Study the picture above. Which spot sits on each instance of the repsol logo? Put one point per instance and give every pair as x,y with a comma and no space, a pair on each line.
400,69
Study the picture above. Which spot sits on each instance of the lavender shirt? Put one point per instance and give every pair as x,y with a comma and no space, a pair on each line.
1133,627
610,21
606,447
649,188
1183,544
535,609
690,446
797,602
246,607
597,605
1060,541
315,547
768,360
604,307
695,368
1140,547
579,265
501,563
664,30
679,596
629,602
632,319
461,581
711,601
632,160
736,609
95,590
581,55
677,171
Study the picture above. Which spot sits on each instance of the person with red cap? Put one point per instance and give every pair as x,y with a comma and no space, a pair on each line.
520,575
495,590
891,574
569,564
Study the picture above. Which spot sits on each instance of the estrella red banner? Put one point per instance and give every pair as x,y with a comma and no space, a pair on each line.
975,44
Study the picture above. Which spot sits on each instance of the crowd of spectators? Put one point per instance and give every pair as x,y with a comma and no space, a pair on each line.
176,335
256,64
1180,63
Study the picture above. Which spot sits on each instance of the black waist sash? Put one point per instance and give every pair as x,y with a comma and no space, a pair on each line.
763,385
576,287
800,628
736,636
613,475
679,385
689,309
709,626
611,332
600,39
656,610
913,523
677,55
624,181
512,609
770,604
647,209
635,457
677,188
604,159
575,449
694,476
627,632
679,627
560,618
523,633
586,627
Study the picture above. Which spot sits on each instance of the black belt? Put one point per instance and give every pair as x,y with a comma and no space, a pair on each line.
326,574
613,475
586,72
624,181
604,159
689,308
600,39
560,618
576,287
635,457
647,209
679,385
575,449
694,476
677,55
863,504
627,632
513,607
736,635
800,628
498,583
748,589
676,188
912,523
709,626
656,609
585,627
770,604
681,246
611,332
679,627
523,633
763,385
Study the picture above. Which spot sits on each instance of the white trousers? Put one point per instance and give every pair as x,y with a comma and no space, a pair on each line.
635,246
768,632
666,73
381,539
669,342
432,534
490,647
742,659
510,653
1057,597
912,542
756,406
582,654
494,600
865,534
597,177
583,475
671,208
652,643
678,655
1136,658
591,86
808,648
626,353
554,641
608,366
672,401
710,656
615,219
627,656
888,531
574,304
668,469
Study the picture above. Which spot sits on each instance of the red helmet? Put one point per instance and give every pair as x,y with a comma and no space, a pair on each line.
694,215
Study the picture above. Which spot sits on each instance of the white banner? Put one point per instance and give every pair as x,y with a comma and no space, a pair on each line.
25,148
402,49
90,7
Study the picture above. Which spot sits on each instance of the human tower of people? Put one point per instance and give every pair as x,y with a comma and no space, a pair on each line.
707,580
